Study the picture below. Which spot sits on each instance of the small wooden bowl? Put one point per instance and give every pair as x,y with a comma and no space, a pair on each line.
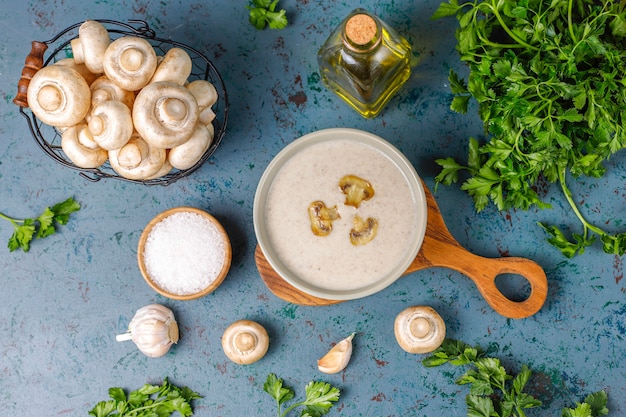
214,283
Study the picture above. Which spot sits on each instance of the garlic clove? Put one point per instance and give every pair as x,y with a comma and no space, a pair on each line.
337,358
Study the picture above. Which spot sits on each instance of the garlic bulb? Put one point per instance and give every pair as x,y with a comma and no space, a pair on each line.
153,329
337,358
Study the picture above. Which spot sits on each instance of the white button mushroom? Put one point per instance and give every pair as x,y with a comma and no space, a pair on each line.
137,160
82,69
165,169
165,114
419,329
206,96
90,46
153,329
103,89
245,342
80,148
175,66
59,96
130,61
111,124
204,91
85,138
186,155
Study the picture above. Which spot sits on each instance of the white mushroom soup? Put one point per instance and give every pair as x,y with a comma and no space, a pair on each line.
355,185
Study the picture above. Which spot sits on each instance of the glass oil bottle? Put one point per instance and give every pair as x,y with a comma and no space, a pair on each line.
365,62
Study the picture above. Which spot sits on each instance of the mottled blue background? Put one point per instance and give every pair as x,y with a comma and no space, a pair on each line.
62,303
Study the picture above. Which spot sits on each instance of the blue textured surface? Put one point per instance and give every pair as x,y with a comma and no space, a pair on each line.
63,302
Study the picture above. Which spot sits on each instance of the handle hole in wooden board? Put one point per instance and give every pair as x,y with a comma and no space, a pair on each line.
514,287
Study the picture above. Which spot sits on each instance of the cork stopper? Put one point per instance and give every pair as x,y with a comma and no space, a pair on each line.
361,29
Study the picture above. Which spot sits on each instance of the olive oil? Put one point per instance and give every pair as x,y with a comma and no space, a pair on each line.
365,62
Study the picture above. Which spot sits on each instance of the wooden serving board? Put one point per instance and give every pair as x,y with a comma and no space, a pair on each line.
440,249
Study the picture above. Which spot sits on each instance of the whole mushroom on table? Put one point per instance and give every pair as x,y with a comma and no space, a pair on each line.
117,100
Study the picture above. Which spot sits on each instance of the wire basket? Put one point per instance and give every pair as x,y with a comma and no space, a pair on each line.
49,138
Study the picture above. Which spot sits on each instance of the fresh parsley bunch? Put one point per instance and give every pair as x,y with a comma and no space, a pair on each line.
549,78
320,397
25,230
148,401
496,393
263,13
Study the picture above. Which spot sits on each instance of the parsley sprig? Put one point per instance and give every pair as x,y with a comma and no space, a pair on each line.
264,13
496,393
147,401
25,230
549,78
320,397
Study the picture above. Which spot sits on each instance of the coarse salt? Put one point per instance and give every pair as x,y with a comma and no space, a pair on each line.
184,253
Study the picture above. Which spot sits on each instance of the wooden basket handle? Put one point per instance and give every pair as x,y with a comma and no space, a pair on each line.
33,63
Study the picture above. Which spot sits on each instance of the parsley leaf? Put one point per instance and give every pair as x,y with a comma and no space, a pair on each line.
25,230
496,393
320,397
263,13
548,80
593,406
147,401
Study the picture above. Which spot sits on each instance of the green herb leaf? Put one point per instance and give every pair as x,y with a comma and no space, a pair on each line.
22,235
478,406
320,397
494,392
593,406
147,401
25,230
446,9
274,387
263,13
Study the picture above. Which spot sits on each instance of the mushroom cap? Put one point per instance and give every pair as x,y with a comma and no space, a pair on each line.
111,124
75,143
85,138
165,114
175,66
90,46
245,342
82,69
419,329
165,169
130,61
204,91
207,115
59,96
137,160
103,89
189,153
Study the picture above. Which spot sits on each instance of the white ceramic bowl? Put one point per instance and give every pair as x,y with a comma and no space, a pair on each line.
309,169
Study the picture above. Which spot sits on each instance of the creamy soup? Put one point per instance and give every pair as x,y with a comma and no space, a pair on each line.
332,262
